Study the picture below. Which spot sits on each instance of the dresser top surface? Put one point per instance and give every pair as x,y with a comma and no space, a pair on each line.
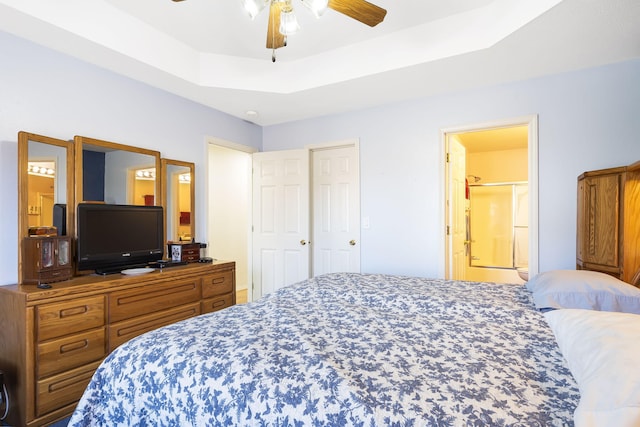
94,283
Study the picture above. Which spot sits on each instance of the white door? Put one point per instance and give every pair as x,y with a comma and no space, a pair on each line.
281,219
336,210
458,214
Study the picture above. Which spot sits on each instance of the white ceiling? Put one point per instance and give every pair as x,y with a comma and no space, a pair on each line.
210,51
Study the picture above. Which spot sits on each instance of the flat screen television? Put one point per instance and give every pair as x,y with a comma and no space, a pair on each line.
115,237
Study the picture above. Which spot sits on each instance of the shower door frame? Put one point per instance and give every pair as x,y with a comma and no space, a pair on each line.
513,227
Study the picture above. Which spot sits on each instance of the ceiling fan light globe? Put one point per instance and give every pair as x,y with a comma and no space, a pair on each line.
254,7
288,23
317,7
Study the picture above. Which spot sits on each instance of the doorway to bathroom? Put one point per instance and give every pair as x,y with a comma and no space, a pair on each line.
491,201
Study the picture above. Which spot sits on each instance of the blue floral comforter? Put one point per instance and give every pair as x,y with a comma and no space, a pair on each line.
344,349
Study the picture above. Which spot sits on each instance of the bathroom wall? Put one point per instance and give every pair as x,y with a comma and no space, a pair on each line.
498,166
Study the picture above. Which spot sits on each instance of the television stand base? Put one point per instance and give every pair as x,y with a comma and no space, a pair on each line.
116,270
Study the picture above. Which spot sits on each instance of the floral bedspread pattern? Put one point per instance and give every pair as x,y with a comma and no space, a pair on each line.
344,349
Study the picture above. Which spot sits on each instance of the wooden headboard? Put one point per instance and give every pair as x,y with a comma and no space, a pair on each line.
608,222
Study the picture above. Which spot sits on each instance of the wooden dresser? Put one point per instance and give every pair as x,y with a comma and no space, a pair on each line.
54,339
608,223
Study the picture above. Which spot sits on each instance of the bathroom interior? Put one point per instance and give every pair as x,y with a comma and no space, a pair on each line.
496,205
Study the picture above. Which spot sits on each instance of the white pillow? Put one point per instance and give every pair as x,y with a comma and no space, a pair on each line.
602,350
583,289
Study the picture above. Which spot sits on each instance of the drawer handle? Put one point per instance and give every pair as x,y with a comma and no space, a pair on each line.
73,311
79,345
217,280
218,303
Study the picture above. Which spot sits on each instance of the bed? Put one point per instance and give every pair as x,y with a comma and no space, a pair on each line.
345,349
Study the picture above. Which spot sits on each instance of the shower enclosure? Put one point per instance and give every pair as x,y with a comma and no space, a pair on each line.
498,225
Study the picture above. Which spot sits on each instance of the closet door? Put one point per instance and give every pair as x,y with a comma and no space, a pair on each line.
336,210
280,219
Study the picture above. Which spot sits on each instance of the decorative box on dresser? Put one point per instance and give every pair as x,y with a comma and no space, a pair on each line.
46,259
608,222
54,339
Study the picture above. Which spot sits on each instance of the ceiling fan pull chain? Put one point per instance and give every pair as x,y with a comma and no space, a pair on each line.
273,55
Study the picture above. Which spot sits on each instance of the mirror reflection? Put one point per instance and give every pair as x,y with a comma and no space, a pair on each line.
46,174
178,199
115,173
45,180
41,191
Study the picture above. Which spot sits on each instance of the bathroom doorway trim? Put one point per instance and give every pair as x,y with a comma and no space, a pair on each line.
531,122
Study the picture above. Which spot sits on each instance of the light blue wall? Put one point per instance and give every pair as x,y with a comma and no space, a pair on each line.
44,92
587,120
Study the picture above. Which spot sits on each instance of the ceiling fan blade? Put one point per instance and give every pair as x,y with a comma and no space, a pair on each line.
275,39
360,10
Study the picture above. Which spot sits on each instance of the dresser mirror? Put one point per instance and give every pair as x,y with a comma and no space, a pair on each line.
46,180
178,199
108,172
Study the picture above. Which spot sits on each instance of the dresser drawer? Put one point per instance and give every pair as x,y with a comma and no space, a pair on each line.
50,276
217,283
63,389
127,329
217,303
153,298
70,352
191,256
68,317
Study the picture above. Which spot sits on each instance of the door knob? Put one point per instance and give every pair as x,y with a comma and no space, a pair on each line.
303,242
352,242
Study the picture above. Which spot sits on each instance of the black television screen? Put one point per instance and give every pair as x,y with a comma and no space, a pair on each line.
113,237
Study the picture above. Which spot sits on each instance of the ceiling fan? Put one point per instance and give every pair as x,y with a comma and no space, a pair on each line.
282,20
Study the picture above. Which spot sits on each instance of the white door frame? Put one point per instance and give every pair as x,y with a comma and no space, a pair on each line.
531,122
210,140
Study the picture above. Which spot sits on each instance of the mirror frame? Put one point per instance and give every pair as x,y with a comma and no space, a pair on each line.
81,141
165,192
23,196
